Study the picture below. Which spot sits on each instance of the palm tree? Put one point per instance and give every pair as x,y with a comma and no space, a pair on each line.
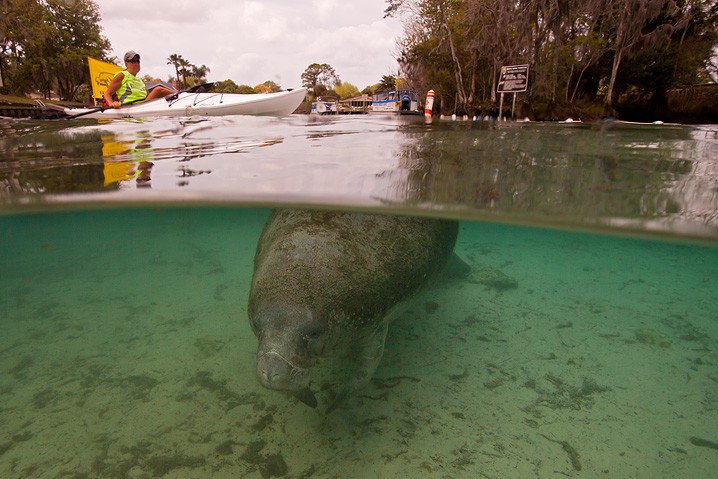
177,61
200,73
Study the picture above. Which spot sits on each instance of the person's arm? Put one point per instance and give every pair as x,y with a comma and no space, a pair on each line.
114,85
159,92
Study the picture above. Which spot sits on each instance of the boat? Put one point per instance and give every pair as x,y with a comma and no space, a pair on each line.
191,103
324,106
395,101
349,106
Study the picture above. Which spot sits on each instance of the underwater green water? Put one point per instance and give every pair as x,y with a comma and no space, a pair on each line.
125,352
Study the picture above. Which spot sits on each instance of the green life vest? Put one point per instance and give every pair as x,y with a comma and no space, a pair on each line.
132,88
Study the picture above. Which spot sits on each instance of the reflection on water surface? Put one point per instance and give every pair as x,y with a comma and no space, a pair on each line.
609,175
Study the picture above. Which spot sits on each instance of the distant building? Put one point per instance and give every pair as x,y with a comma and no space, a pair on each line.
357,102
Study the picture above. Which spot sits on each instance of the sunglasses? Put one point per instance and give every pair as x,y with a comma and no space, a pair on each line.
133,61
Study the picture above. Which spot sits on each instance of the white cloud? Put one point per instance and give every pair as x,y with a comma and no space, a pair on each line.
177,11
253,41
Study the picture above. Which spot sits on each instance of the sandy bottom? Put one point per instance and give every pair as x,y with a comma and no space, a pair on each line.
125,352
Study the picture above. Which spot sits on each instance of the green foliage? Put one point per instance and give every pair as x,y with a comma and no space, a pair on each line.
321,90
577,50
650,69
228,86
268,87
180,65
246,89
46,45
346,90
199,74
387,83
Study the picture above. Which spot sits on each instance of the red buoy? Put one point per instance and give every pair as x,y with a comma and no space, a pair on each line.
429,103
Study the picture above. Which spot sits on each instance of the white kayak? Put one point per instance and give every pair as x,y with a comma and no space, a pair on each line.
202,104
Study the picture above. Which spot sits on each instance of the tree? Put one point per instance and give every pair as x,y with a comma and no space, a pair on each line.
346,90
22,54
246,89
177,62
575,49
151,79
648,22
437,49
78,37
183,68
199,74
387,83
228,86
319,75
46,44
267,87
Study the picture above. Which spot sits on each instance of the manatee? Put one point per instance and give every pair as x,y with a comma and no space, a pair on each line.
325,287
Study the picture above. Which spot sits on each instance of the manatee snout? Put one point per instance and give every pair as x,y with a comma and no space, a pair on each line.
277,372
288,344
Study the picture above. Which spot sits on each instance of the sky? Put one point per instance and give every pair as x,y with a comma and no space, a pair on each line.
252,41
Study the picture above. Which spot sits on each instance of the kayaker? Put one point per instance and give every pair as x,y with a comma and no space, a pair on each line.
126,87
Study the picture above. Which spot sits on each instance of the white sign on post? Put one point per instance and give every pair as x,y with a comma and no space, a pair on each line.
513,79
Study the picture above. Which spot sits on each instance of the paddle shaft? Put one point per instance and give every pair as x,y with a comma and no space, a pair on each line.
93,110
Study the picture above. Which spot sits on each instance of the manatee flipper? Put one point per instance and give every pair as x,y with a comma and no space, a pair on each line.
364,361
491,277
478,273
306,396
456,268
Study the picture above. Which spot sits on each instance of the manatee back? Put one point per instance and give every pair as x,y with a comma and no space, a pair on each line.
346,267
